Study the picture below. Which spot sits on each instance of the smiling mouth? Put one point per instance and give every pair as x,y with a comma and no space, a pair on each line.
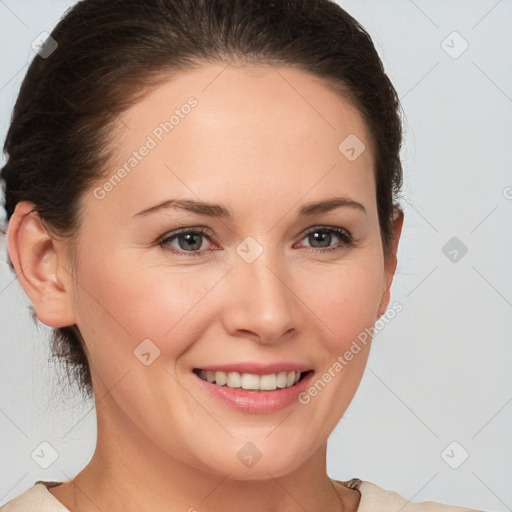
250,381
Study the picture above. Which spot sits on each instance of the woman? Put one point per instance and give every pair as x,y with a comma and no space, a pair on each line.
202,204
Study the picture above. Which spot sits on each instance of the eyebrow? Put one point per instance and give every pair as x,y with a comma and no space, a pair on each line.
217,210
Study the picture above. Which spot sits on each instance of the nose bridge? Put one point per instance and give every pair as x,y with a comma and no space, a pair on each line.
262,302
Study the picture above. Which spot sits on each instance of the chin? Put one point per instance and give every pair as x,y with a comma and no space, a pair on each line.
256,460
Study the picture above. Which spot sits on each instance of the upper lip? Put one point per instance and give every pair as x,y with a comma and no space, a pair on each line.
257,368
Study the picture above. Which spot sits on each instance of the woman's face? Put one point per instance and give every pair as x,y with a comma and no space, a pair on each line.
260,283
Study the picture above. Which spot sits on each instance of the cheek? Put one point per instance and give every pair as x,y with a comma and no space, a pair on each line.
344,299
122,306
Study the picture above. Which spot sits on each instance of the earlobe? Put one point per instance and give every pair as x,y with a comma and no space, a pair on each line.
35,259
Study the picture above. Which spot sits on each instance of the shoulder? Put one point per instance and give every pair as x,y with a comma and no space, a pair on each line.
35,499
375,498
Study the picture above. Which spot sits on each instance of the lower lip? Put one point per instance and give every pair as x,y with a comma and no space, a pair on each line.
257,402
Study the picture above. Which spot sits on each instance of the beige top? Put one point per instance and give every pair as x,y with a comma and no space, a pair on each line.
373,499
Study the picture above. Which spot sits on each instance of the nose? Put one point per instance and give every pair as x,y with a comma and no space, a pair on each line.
261,304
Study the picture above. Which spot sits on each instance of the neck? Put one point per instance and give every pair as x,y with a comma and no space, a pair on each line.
144,477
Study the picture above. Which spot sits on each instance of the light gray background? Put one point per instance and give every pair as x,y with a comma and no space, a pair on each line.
440,371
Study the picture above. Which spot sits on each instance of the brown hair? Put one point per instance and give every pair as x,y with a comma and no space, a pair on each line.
110,52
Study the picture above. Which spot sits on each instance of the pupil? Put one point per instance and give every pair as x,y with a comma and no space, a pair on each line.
321,236
190,241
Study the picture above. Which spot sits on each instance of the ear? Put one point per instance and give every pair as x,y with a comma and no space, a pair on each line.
391,262
37,264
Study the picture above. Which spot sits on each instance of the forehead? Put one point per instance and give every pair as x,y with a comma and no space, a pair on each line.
258,129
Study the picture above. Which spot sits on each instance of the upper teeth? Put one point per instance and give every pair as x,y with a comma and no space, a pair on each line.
250,380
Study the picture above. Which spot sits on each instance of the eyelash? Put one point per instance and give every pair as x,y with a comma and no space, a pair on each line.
347,241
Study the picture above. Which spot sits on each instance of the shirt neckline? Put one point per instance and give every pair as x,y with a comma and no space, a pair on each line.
354,483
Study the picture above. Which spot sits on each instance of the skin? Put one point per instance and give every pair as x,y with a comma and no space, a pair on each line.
272,135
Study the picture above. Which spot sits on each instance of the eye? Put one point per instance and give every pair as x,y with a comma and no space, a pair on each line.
189,241
321,237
